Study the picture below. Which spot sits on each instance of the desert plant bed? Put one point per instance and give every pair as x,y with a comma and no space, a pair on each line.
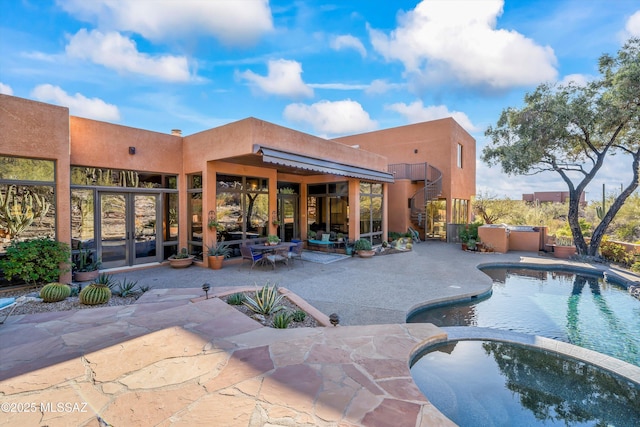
267,319
35,305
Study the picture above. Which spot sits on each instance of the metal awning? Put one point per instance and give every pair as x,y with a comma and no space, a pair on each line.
269,155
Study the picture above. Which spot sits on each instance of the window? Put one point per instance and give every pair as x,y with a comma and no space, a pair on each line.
242,209
371,212
460,212
27,199
194,212
328,207
460,155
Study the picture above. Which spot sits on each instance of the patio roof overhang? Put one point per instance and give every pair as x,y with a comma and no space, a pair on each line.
298,161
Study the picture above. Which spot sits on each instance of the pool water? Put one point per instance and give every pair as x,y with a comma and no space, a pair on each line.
582,310
492,383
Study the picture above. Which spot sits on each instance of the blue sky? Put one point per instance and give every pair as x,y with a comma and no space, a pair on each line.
328,68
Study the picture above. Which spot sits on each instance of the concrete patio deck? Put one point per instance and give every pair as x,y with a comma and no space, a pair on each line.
169,361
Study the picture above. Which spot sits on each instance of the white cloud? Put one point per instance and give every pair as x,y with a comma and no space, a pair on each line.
332,118
230,21
120,53
577,79
5,89
456,39
416,112
348,41
381,86
338,86
283,78
78,104
632,27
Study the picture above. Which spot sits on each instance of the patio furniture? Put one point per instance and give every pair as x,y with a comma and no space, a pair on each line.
12,303
272,253
295,252
278,255
248,254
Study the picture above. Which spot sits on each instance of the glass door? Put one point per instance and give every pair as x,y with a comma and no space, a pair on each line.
128,228
288,217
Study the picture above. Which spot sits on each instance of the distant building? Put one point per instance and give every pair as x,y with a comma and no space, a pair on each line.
551,196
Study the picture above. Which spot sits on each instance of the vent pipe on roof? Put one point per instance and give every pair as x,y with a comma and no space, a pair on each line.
176,132
355,146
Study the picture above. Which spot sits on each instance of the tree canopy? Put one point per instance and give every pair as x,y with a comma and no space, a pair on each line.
573,130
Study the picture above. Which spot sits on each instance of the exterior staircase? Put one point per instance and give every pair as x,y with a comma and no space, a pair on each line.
432,179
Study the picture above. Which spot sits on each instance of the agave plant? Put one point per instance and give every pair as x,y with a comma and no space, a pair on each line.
266,300
282,320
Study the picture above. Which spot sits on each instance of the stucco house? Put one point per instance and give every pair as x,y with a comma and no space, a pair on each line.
136,197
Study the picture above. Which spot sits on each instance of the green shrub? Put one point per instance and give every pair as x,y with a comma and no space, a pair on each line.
393,235
469,232
36,261
235,299
299,316
615,252
266,300
126,288
282,320
636,267
363,245
54,292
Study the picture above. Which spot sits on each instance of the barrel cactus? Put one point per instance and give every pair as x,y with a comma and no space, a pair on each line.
54,292
95,294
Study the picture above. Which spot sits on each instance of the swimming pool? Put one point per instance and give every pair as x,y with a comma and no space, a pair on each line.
580,309
493,383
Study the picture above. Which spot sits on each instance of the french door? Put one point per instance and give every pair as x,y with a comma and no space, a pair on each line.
288,217
128,228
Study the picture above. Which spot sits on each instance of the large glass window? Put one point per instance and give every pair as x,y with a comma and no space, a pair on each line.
242,209
371,212
104,177
194,211
328,207
27,199
436,219
460,212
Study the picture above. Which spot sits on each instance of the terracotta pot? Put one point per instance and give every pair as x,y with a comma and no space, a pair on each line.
564,252
215,262
85,276
366,254
180,262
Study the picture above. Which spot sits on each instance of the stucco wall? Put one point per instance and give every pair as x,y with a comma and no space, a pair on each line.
95,143
37,130
434,142
238,138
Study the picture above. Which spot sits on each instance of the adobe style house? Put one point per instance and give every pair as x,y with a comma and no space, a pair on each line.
136,197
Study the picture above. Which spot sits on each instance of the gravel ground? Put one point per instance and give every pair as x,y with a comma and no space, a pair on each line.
36,305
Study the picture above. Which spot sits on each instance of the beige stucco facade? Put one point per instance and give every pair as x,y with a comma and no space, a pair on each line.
246,148
435,143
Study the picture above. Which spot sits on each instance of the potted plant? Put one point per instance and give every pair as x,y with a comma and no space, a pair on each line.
213,224
340,237
564,247
272,240
181,260
216,254
472,244
86,265
363,248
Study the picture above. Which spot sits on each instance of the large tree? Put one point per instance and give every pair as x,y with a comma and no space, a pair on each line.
573,130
